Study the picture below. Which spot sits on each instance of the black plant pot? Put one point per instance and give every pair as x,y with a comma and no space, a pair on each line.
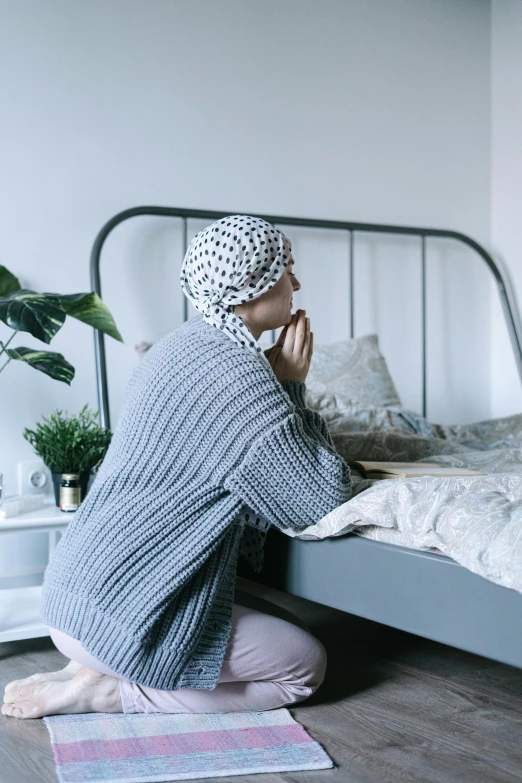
84,485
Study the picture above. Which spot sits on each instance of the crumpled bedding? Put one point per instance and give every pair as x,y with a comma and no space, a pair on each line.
475,520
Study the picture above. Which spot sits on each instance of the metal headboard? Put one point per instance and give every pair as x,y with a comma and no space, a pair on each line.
503,283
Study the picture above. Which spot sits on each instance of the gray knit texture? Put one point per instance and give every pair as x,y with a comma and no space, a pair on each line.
144,575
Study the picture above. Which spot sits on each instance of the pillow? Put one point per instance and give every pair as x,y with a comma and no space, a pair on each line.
347,374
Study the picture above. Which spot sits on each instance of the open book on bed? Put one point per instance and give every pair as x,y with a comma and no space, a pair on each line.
389,470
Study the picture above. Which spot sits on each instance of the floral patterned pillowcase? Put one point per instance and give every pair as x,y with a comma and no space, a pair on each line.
347,375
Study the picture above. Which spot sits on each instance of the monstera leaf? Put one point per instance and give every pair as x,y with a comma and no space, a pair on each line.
43,315
52,364
8,282
90,309
28,311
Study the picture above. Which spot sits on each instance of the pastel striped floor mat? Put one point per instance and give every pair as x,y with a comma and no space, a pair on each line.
142,748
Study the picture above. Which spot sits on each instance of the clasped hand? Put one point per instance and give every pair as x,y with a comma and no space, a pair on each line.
291,355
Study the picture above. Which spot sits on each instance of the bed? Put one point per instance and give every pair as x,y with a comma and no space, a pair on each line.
400,580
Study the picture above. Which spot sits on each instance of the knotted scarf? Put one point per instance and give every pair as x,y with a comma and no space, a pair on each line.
231,262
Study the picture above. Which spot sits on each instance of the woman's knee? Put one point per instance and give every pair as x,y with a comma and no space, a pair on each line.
306,656
316,661
266,647
307,671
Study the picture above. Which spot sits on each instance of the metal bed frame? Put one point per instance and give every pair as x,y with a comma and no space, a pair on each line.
420,592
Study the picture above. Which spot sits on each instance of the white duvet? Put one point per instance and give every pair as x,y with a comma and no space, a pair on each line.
475,520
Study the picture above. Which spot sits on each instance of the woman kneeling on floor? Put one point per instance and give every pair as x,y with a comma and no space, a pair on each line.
214,443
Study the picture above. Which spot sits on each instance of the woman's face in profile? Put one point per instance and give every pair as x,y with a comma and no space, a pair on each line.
273,308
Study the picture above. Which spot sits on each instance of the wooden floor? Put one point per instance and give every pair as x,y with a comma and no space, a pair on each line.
393,708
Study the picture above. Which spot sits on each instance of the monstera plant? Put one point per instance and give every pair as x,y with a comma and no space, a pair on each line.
43,315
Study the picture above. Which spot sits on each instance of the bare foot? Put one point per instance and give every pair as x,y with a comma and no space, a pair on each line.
66,673
87,691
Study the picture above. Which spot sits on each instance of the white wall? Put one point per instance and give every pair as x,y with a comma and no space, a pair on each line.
371,110
506,192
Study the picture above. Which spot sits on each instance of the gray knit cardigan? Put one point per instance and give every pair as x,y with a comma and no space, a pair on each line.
144,575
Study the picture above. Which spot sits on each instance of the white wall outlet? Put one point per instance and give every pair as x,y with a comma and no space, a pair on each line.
33,477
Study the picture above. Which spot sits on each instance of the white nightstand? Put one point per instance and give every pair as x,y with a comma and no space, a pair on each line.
20,606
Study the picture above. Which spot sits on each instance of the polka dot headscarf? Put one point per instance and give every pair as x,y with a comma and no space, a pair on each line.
234,260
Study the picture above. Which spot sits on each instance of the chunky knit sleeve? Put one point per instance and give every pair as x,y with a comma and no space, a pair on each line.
290,476
313,421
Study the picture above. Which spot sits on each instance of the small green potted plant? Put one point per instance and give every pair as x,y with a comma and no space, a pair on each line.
70,444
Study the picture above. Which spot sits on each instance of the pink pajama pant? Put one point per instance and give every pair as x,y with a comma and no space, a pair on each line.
269,662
